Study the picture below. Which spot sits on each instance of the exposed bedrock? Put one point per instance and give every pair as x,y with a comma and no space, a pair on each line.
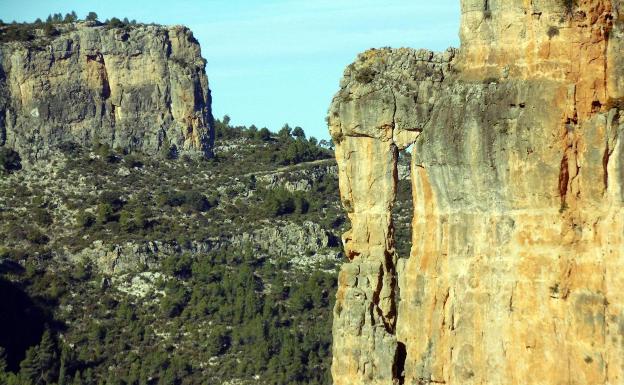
143,88
514,275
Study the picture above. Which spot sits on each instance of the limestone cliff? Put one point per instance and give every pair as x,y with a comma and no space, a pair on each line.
518,189
140,87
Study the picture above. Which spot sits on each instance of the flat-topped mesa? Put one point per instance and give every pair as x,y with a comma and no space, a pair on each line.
142,87
518,190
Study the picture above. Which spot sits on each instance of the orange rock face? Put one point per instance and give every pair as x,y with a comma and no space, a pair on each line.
514,275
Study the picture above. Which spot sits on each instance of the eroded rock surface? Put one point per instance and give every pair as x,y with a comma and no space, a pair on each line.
517,184
140,88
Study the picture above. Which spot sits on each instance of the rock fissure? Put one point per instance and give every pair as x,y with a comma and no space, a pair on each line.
511,207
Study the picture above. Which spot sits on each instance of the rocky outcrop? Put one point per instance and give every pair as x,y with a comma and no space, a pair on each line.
136,88
299,179
517,184
302,244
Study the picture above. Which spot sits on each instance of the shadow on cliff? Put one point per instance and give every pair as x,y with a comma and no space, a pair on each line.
22,322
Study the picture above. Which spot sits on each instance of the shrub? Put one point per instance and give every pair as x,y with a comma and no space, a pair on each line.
126,221
196,201
116,23
105,152
133,161
279,202
299,151
43,217
50,31
105,213
35,236
174,302
192,200
69,148
365,75
17,32
178,265
113,198
85,219
142,217
552,32
82,271
301,204
219,342
170,152
10,160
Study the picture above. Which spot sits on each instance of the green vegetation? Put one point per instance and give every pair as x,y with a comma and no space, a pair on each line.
365,75
242,315
10,160
29,31
287,147
130,266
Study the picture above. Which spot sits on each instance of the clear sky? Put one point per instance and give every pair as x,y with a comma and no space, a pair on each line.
276,61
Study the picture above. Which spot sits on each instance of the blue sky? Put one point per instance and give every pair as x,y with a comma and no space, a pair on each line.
276,61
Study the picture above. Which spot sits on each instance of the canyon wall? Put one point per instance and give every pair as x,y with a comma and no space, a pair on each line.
518,190
140,87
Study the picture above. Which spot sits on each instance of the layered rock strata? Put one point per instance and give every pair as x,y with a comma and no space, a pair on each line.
518,190
136,88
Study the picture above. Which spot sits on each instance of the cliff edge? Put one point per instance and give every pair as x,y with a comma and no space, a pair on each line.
140,87
518,189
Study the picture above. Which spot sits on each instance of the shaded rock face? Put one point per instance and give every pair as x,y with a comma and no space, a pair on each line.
517,182
141,89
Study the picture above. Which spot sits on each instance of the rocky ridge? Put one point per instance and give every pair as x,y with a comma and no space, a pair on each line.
517,192
140,87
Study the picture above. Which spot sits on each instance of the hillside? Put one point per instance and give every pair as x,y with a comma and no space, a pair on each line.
156,270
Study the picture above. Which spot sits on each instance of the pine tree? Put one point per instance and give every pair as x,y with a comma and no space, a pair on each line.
29,367
284,133
62,380
77,378
298,133
47,357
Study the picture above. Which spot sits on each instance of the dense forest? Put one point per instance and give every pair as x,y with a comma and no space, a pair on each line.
208,302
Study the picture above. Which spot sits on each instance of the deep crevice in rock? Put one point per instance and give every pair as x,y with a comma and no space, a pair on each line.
403,208
398,369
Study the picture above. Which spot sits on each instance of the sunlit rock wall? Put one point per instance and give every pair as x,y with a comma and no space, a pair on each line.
139,88
517,246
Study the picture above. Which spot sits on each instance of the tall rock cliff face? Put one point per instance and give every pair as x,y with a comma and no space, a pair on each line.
514,275
138,88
